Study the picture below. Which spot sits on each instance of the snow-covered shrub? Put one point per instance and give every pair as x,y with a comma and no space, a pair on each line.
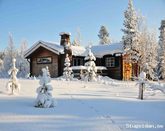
44,98
157,86
13,84
91,70
68,73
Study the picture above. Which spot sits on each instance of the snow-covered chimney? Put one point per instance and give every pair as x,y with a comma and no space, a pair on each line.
65,39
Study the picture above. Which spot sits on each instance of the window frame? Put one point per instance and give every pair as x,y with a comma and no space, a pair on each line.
40,60
110,61
77,62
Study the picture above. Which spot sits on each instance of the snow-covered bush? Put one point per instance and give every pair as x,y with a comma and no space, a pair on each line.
91,70
13,84
68,73
157,86
44,98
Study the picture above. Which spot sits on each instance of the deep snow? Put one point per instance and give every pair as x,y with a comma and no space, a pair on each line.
82,106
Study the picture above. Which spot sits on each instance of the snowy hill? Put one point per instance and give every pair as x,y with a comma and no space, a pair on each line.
82,106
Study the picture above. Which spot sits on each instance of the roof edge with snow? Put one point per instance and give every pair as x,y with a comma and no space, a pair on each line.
53,47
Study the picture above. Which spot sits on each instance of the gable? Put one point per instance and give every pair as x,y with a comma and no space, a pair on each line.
57,49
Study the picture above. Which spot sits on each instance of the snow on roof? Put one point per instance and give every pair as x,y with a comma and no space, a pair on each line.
78,50
101,50
98,50
67,33
54,47
84,68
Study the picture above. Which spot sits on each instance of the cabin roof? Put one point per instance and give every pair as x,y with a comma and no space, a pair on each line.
101,50
54,47
98,50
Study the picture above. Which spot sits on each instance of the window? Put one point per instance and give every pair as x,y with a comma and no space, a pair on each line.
77,61
44,60
110,62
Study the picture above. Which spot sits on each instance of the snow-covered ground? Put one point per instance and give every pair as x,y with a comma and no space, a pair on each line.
82,106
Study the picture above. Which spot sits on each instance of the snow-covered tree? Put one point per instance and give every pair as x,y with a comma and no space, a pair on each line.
104,36
1,64
151,55
91,70
9,54
68,73
147,48
13,84
22,63
161,52
77,39
131,34
44,98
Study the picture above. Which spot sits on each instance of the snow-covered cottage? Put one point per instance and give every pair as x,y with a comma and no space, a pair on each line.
109,58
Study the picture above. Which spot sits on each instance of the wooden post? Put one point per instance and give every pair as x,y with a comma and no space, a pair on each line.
141,90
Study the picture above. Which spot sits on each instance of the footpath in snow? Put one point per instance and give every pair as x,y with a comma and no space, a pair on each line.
83,106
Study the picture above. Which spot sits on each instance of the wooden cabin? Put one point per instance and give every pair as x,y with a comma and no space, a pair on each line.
50,54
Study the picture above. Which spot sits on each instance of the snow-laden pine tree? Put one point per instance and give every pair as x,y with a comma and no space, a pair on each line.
91,70
104,36
161,52
44,98
130,38
68,73
131,34
13,84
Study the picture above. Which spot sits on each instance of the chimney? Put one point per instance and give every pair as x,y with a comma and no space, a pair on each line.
65,39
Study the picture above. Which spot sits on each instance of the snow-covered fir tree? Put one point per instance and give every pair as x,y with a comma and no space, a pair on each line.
104,36
68,73
44,98
161,52
131,34
13,84
91,70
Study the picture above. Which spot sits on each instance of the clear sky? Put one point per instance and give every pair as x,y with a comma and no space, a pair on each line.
35,20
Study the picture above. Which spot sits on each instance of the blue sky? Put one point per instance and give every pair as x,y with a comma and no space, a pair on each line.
35,20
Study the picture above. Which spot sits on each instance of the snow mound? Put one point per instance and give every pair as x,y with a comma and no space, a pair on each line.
106,80
157,86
